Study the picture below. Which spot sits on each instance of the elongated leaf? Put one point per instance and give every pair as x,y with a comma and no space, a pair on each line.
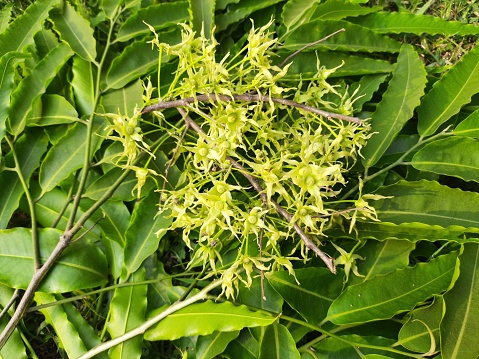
397,105
75,30
333,348
460,321
67,155
305,63
128,308
355,38
450,156
205,318
401,22
339,9
83,84
6,85
416,332
253,296
45,41
159,16
278,343
366,87
240,11
141,238
244,347
55,110
297,12
309,298
124,100
82,265
30,22
138,59
110,7
382,257
369,301
202,15
116,220
430,203
14,347
30,149
209,346
449,94
5,15
469,127
65,331
34,85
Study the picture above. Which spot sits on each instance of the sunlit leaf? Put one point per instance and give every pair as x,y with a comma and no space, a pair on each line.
55,110
209,346
278,343
83,84
202,16
241,10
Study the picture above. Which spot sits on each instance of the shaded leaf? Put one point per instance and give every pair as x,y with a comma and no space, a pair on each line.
115,222
314,293
34,85
75,31
297,12
460,321
209,346
55,110
30,149
141,237
278,343
450,156
397,105
5,16
369,301
453,90
332,348
83,84
159,16
416,332
430,203
355,38
110,7
244,347
202,16
128,308
404,22
205,318
469,126
82,265
339,9
20,32
253,296
124,100
239,11
367,86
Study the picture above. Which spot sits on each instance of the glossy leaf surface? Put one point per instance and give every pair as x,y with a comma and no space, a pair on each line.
278,343
55,110
209,346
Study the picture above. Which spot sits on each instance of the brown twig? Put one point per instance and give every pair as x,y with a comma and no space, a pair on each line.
253,97
258,188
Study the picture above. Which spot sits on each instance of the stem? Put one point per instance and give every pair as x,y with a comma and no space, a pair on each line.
248,98
31,205
201,295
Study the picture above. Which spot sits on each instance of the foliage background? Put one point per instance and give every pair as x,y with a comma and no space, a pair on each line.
413,288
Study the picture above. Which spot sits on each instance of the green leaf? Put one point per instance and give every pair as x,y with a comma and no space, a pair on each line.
34,85
253,296
20,32
416,332
66,332
355,38
397,105
469,127
209,346
403,22
139,59
75,30
14,347
83,84
82,265
55,110
450,156
382,257
110,7
339,9
430,203
332,348
205,318
159,16
141,237
367,86
115,222
5,16
278,343
29,149
244,347
124,100
460,321
68,154
305,64
449,94
370,301
314,293
239,11
128,308
7,72
202,15
297,12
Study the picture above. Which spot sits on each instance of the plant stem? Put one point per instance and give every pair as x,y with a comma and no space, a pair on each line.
248,98
201,295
